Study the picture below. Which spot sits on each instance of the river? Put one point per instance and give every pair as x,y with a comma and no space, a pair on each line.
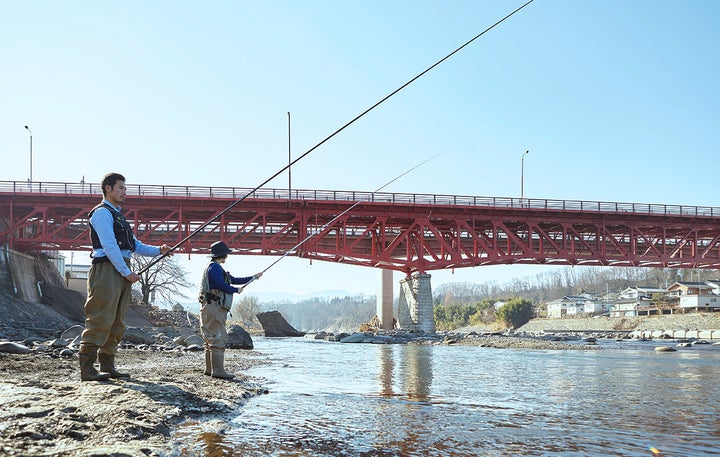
333,399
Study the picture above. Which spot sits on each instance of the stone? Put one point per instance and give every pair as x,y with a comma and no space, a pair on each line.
72,332
238,338
75,343
189,340
274,325
13,348
357,338
58,343
137,335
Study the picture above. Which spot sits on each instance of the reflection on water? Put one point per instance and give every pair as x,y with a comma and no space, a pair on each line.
330,399
414,369
404,379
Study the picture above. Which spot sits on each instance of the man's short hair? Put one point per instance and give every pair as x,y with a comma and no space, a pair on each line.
109,180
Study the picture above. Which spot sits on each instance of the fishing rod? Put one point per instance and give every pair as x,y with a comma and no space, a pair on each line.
306,153
321,229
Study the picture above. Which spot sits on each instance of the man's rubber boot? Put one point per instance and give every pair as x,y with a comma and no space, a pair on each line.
107,365
217,359
87,368
208,362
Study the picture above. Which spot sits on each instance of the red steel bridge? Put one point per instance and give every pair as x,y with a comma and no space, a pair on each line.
405,232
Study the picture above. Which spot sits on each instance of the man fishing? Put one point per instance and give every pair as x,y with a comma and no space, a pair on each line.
216,297
110,281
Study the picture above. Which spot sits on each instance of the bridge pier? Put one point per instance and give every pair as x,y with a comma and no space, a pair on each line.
415,310
384,309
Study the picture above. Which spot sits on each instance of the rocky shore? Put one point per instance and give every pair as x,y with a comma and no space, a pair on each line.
473,337
46,410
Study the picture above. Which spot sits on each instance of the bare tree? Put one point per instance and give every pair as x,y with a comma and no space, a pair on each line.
165,280
246,308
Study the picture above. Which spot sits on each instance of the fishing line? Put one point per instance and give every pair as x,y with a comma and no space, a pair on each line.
306,153
321,229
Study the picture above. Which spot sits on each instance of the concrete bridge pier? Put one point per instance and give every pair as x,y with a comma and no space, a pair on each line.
384,308
415,310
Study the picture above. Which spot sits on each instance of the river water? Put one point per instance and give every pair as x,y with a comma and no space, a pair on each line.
333,399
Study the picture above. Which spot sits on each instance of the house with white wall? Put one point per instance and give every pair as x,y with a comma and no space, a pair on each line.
680,288
633,300
697,296
574,305
699,303
636,292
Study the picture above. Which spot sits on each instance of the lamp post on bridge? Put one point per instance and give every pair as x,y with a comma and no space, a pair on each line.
30,131
289,161
522,177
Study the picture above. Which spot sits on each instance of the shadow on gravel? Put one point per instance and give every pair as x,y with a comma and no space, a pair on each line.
175,395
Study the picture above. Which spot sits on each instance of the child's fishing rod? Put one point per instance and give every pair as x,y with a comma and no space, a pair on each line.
306,153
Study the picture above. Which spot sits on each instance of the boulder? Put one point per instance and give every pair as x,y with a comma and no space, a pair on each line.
238,338
275,325
137,335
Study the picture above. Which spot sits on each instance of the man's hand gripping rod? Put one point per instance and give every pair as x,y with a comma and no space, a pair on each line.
321,229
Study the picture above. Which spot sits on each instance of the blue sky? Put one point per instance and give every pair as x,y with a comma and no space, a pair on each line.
615,100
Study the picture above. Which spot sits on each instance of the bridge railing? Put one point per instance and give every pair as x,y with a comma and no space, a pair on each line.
81,188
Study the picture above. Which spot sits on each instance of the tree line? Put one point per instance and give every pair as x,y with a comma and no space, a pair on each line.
460,304
455,304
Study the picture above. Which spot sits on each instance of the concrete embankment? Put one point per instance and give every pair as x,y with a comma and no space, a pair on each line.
695,325
35,301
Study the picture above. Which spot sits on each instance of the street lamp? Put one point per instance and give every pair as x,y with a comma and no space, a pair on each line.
289,161
30,131
522,174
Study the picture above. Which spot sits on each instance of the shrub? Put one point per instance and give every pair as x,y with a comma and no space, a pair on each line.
515,313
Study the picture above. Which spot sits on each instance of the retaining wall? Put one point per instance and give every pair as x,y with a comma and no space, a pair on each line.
678,326
19,275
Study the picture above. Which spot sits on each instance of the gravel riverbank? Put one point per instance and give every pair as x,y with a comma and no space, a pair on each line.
46,411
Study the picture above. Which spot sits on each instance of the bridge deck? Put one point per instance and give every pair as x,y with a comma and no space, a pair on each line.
406,232
159,190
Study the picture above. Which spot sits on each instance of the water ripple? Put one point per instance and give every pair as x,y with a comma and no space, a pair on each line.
369,400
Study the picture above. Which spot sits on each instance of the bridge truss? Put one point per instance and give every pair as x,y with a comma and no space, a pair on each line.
404,232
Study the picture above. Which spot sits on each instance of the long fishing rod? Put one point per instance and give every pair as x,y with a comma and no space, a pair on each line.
321,229
306,153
